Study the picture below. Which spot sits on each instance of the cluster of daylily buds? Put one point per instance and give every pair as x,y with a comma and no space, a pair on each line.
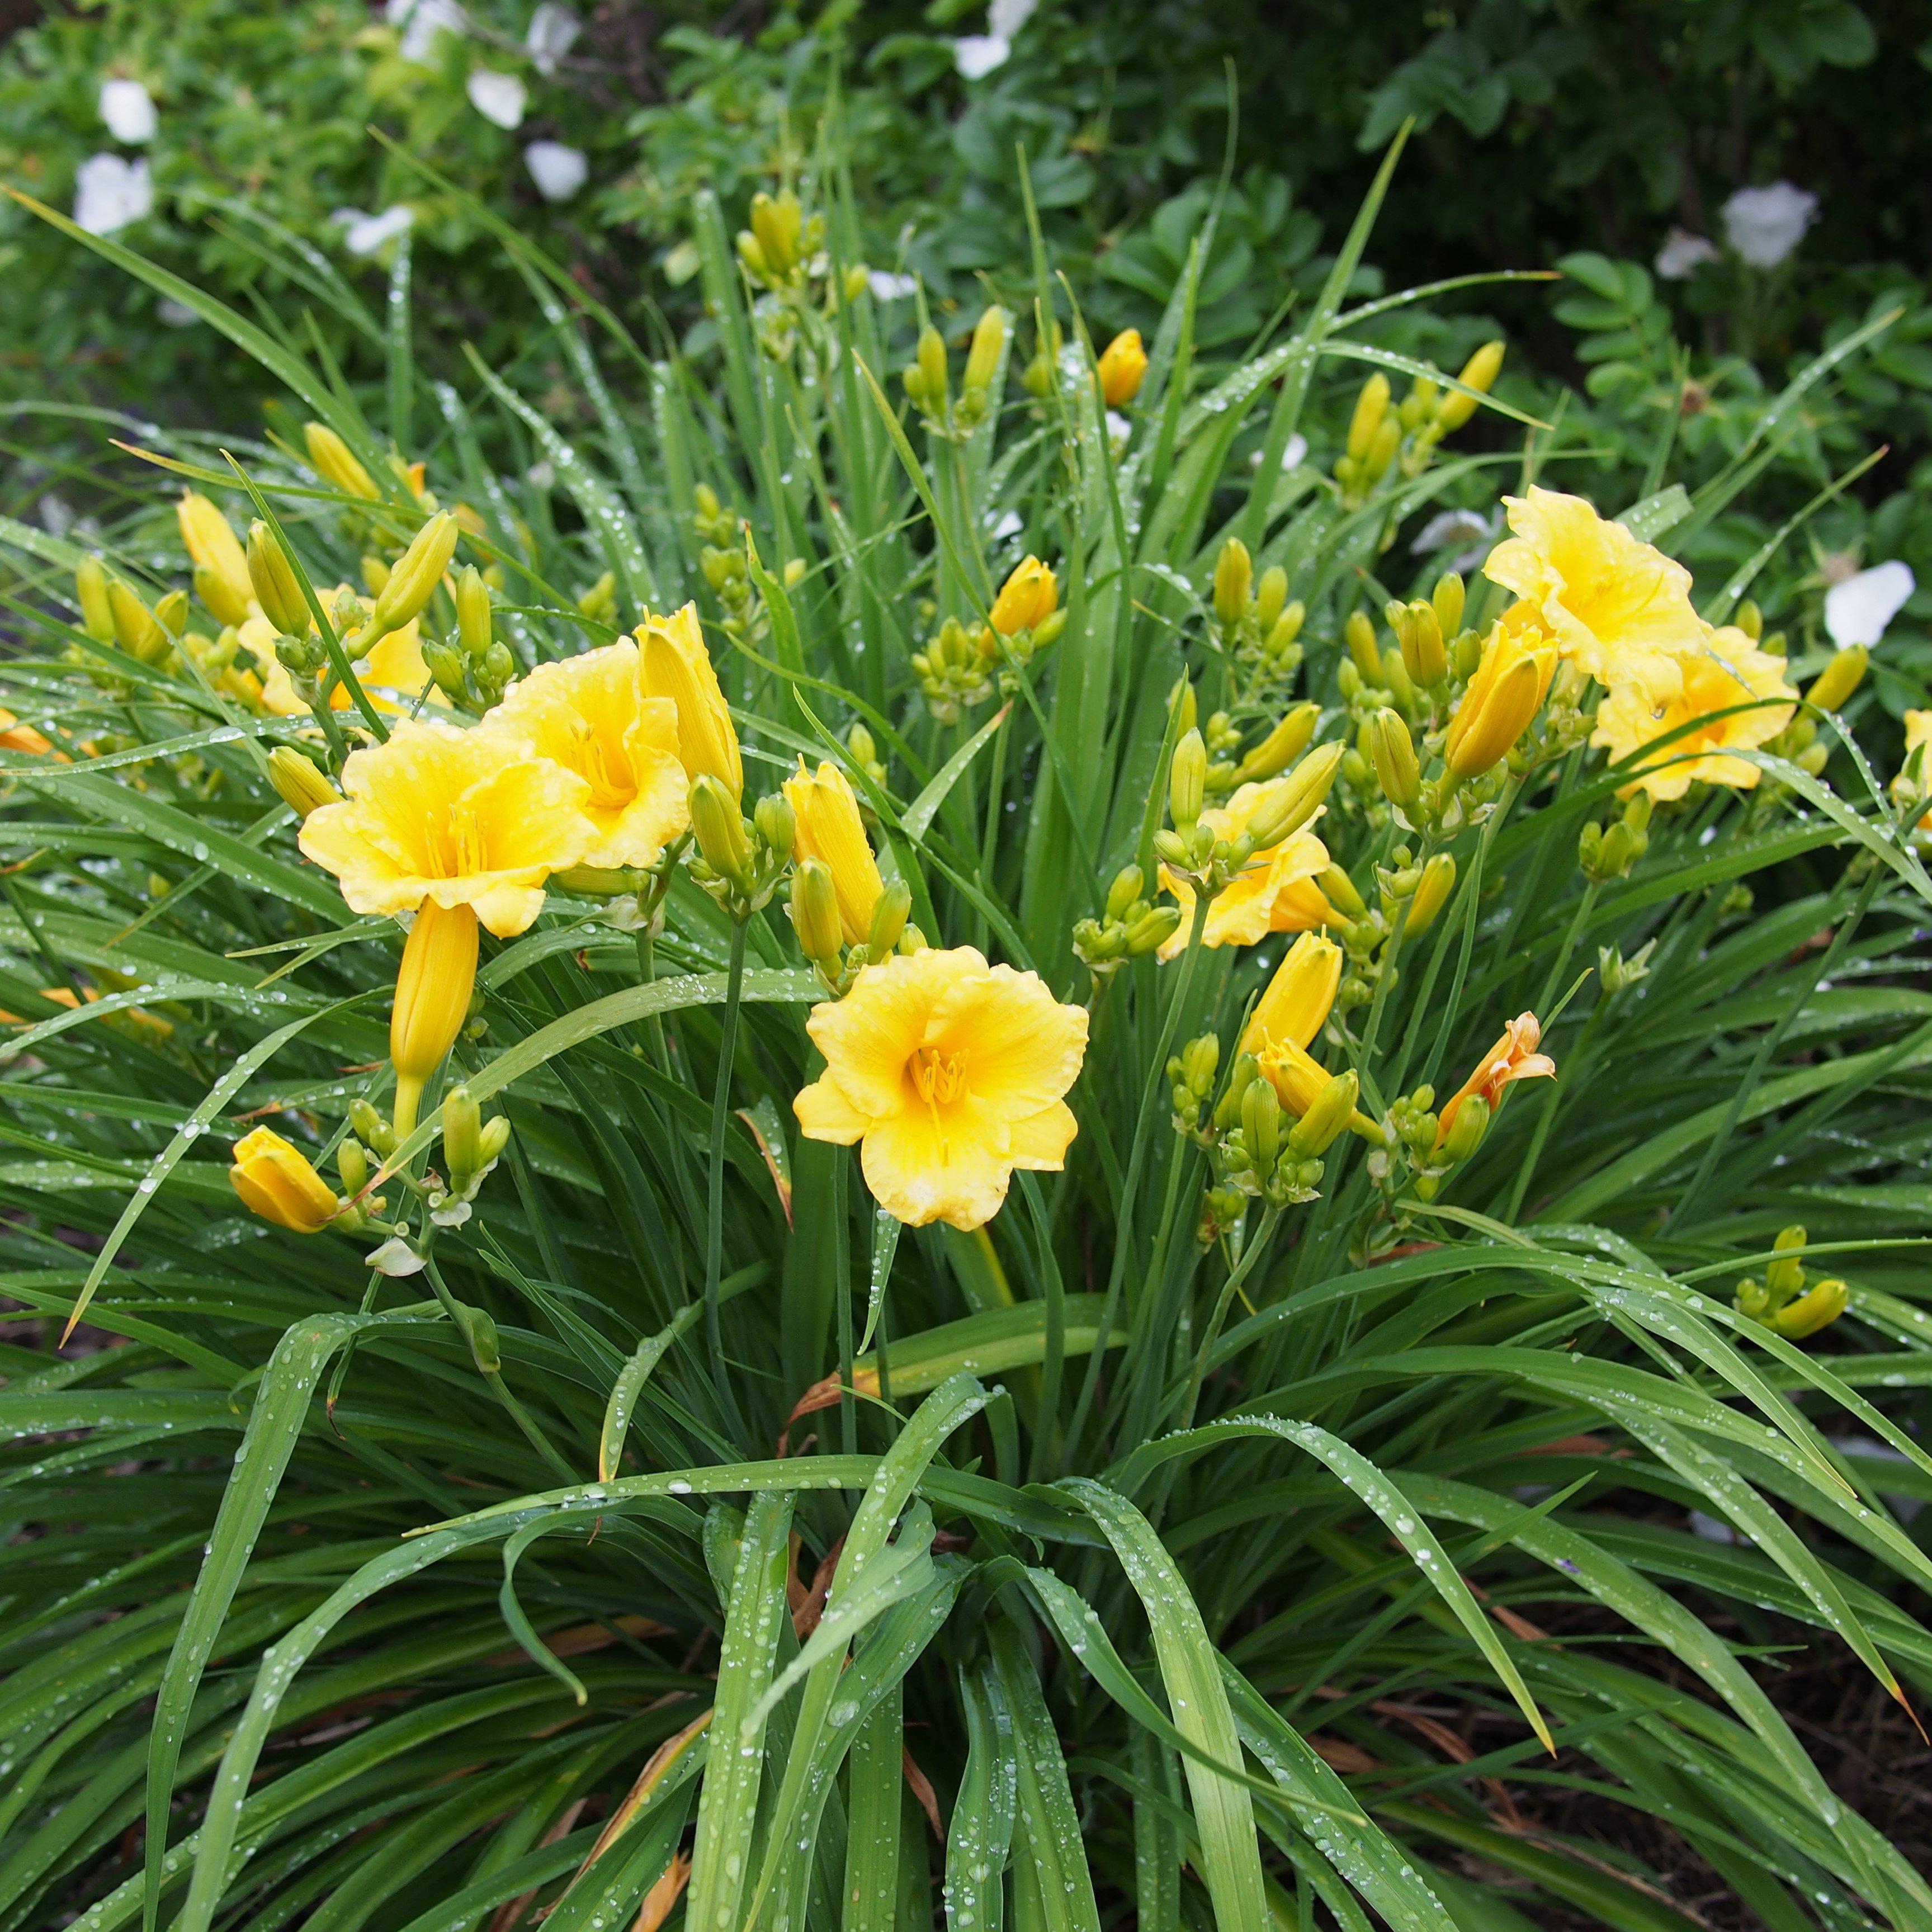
1403,438
1786,1299
962,665
1256,627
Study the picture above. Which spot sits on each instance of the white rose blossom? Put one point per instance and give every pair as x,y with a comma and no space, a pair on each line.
1858,610
1764,224
558,171
109,192
127,110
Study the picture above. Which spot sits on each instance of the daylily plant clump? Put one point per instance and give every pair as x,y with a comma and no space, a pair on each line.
968,1161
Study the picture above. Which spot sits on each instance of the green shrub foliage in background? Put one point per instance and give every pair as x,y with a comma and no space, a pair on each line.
592,1502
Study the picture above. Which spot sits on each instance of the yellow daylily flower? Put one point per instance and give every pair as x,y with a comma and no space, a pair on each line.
439,814
590,714
950,1073
830,829
1275,891
1029,596
1619,608
1514,1057
1918,732
1124,365
677,666
15,736
277,1181
1731,669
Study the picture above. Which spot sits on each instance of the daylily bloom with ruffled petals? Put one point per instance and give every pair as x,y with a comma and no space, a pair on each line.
950,1073
589,714
1731,670
1513,1057
1618,607
439,814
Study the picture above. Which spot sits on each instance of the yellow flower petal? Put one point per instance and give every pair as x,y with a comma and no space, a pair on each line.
830,829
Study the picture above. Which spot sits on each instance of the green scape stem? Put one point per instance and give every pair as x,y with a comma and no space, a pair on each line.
714,1231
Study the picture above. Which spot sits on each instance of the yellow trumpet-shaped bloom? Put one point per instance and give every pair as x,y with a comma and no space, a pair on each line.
1514,1057
276,1181
1507,690
1730,670
1029,596
1124,365
213,545
1619,608
442,814
15,736
1918,732
591,716
677,665
830,829
433,989
1299,996
950,1073
1275,891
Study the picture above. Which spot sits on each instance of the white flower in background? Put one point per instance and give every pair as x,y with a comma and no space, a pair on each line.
363,234
559,172
108,193
1010,525
1858,610
885,287
422,21
1468,532
1118,429
500,97
1296,454
976,55
128,109
1682,252
56,514
1764,224
175,314
552,32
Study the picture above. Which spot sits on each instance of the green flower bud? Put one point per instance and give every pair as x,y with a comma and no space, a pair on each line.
472,612
989,338
889,911
1234,580
299,785
414,577
1271,597
777,824
1370,406
277,589
1130,882
462,1134
1187,781
1465,1132
90,585
1447,599
1359,635
814,912
1393,753
719,827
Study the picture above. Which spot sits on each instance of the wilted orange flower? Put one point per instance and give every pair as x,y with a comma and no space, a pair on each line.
1513,1057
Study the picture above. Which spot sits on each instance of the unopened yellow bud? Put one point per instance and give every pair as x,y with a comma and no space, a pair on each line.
1123,368
1480,373
1271,597
1183,696
171,611
335,462
1424,655
989,339
433,989
1027,599
932,373
1339,889
1326,1117
1431,895
1282,746
218,594
277,1181
1371,406
776,224
1447,599
473,629
299,785
1299,997
830,827
814,912
213,546
1359,634
1505,693
1839,678
890,912
90,586
136,629
1817,1308
1750,619
1393,752
776,823
1187,782
719,826
417,573
1130,885
1381,451
1234,580
1292,801
277,589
